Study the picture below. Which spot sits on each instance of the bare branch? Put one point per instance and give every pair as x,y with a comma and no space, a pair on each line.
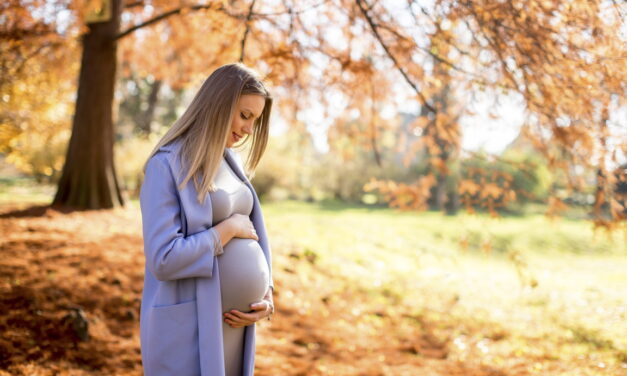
289,10
172,13
373,26
134,4
428,51
243,43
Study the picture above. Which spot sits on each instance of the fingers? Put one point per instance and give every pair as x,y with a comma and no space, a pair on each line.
238,319
260,306
235,321
244,226
247,316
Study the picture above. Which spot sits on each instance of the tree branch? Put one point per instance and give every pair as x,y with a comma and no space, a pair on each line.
134,4
290,10
364,11
171,13
373,125
247,23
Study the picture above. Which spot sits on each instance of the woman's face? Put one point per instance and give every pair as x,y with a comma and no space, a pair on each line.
247,111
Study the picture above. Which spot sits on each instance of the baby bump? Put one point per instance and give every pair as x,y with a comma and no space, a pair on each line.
244,274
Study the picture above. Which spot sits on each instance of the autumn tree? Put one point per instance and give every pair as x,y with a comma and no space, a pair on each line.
36,89
564,58
203,41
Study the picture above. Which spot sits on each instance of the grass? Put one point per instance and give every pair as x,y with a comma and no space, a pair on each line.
16,190
532,277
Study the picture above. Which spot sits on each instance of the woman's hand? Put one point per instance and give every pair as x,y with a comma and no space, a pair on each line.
242,226
260,310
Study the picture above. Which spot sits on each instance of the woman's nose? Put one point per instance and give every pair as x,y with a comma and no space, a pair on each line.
248,128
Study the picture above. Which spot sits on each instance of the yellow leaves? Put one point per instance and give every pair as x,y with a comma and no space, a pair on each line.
37,105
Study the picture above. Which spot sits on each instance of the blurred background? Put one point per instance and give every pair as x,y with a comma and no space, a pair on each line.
445,184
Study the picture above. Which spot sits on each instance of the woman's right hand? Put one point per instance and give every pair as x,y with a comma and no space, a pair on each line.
242,226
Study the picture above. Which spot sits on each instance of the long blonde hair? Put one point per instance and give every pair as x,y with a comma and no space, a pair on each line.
205,125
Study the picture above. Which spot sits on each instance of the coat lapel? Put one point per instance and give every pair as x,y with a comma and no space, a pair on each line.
230,158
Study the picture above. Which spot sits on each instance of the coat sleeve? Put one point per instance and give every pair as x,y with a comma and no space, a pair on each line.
169,253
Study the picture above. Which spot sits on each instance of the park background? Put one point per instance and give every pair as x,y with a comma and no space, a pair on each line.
444,186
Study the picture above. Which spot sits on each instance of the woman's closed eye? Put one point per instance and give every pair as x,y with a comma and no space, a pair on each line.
243,116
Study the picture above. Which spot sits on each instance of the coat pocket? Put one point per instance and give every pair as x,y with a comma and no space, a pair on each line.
172,340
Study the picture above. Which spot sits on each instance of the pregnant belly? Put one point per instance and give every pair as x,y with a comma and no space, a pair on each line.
244,274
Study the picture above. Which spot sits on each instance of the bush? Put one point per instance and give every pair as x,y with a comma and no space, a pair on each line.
130,156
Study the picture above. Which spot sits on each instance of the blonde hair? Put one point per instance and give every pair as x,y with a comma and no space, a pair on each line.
205,126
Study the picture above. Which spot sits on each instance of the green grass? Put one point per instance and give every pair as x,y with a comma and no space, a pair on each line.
25,190
432,232
540,277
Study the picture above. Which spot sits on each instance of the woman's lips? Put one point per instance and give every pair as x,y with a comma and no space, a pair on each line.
236,137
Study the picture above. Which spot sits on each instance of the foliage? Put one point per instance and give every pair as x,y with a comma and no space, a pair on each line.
292,168
515,178
356,58
35,112
285,169
483,182
556,55
146,105
130,155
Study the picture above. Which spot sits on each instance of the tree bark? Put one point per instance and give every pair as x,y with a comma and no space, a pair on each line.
440,191
89,179
146,117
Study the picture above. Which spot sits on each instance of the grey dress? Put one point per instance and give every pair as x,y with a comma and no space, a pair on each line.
244,274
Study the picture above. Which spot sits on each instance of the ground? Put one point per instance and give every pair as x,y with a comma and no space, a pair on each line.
358,292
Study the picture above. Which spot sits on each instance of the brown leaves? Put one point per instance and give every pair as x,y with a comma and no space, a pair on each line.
404,196
486,189
70,293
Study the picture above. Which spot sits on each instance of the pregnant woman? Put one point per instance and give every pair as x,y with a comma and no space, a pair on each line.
208,274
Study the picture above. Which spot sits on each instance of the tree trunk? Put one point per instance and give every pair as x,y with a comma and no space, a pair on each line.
454,203
89,180
440,192
146,118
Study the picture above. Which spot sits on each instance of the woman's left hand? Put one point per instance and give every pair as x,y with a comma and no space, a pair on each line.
260,310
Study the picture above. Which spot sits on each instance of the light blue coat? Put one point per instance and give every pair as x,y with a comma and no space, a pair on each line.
181,311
